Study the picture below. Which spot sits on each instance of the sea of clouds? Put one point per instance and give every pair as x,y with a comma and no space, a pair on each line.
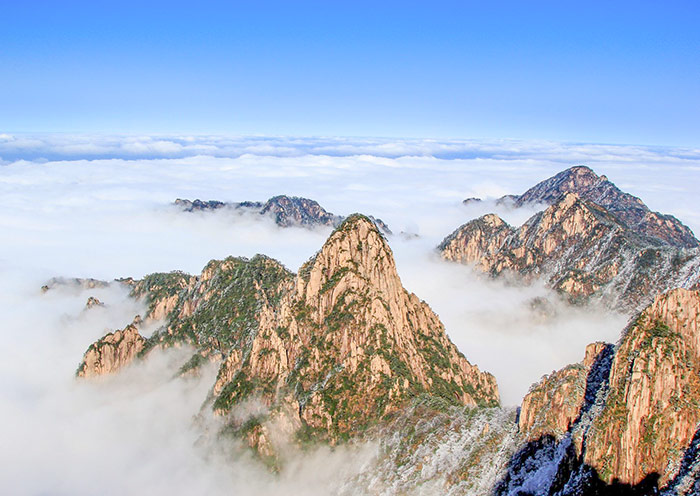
100,206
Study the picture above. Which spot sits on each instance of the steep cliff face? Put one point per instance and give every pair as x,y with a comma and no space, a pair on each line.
112,352
348,344
478,242
598,189
625,420
581,249
653,408
555,403
381,344
329,352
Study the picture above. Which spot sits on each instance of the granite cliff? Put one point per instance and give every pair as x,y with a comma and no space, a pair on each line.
329,352
625,421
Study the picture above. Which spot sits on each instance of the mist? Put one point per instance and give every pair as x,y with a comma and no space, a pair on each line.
101,207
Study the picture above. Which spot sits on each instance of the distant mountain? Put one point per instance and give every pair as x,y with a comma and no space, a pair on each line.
625,421
581,250
286,210
330,351
598,189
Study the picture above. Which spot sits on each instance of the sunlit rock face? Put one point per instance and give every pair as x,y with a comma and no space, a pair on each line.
112,352
629,209
581,249
329,352
653,406
626,419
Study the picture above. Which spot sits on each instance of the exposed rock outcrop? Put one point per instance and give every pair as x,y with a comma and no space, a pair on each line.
629,209
298,211
627,418
112,352
581,249
74,283
285,210
653,407
342,342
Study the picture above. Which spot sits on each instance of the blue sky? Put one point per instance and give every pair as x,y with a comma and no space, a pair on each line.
614,72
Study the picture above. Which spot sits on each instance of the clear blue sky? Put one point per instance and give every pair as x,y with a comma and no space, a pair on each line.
614,71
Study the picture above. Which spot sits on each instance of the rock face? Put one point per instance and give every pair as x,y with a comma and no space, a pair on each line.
629,209
653,407
286,210
112,352
329,352
581,249
300,211
627,418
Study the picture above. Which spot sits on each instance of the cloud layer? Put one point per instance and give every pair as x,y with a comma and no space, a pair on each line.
96,206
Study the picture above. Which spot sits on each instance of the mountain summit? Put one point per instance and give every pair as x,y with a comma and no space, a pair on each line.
581,250
598,189
329,352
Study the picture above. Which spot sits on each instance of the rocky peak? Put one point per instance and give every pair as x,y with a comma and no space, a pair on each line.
285,210
578,179
652,410
356,247
628,208
354,298
581,249
477,241
93,302
553,404
198,205
300,211
329,352
112,352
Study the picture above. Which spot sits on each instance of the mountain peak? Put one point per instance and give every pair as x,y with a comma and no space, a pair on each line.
333,350
583,181
582,249
627,416
289,210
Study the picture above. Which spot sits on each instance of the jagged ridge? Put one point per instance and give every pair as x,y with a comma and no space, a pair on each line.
598,189
582,250
330,351
286,210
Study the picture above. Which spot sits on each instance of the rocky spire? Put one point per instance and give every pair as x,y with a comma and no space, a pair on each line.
330,351
653,407
112,352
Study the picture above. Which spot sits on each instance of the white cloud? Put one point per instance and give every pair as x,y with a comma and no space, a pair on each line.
96,206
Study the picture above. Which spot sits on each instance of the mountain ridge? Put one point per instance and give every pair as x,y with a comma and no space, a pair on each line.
329,351
286,211
600,190
581,250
